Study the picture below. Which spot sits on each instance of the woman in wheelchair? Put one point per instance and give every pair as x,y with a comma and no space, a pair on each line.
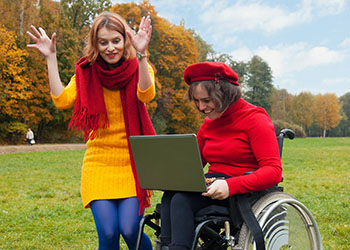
236,137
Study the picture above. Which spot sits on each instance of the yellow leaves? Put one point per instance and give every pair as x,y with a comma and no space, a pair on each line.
327,110
130,12
13,81
10,55
306,109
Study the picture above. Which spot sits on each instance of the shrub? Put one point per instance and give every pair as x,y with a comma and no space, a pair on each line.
13,132
279,125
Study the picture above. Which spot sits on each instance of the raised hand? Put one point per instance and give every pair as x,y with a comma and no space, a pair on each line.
47,47
43,43
141,39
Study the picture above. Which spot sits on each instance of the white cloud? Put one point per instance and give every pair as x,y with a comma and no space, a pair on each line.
250,17
339,80
242,54
227,16
329,7
346,43
288,59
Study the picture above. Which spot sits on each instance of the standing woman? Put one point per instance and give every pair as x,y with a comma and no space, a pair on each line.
108,91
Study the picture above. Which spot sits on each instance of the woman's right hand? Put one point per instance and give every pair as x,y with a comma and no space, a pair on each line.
47,47
43,43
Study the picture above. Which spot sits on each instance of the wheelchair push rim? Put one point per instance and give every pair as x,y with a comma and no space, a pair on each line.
286,223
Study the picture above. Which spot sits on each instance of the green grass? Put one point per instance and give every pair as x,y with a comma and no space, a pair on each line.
316,171
41,208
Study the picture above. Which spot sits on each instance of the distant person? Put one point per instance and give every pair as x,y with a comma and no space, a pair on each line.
110,86
236,137
30,137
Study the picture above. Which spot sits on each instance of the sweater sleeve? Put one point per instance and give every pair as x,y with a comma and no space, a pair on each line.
148,94
264,146
68,96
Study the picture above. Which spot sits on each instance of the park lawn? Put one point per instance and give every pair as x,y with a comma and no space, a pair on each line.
316,171
40,205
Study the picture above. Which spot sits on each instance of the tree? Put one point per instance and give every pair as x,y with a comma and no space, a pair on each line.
278,104
327,111
204,49
259,83
343,129
81,13
14,85
304,115
13,81
345,101
17,15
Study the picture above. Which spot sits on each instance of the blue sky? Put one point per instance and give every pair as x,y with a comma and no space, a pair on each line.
305,42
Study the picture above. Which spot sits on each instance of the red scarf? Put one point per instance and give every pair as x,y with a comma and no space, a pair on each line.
90,112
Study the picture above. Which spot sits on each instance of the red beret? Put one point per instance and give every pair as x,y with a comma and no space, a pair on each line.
209,71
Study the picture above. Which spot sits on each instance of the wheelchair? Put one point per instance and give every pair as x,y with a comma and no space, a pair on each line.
284,221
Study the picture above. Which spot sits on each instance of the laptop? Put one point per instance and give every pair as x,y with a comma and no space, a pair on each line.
168,162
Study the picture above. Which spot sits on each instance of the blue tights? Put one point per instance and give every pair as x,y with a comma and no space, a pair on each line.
115,217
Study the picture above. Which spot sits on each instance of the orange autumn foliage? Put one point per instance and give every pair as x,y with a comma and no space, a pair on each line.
14,84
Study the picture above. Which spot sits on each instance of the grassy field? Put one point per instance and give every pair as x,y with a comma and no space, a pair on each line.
40,205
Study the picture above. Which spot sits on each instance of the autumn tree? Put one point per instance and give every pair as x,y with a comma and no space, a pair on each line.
38,110
17,15
343,129
15,89
327,111
303,110
278,104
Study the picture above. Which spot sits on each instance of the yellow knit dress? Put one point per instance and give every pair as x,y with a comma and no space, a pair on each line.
106,171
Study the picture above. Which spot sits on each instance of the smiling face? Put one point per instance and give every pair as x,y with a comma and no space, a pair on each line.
110,46
205,103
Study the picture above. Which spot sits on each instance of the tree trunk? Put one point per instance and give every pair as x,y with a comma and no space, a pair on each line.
21,16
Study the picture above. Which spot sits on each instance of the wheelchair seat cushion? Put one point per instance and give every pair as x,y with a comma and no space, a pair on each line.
212,210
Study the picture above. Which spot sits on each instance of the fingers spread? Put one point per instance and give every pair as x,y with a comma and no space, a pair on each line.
36,32
32,36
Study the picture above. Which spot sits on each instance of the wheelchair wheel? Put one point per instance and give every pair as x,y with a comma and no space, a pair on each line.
286,224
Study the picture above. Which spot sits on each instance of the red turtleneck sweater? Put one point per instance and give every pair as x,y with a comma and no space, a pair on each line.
242,139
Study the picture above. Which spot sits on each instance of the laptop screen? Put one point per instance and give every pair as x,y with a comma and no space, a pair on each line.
168,162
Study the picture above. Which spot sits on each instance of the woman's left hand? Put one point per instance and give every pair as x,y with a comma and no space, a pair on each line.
218,190
141,39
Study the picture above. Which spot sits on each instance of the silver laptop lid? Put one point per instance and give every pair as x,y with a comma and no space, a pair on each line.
168,162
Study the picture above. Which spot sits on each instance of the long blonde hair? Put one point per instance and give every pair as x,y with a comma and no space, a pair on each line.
110,21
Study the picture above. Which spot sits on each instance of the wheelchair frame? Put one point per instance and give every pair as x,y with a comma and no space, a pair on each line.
278,214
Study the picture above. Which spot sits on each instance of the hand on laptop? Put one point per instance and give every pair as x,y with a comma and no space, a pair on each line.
218,189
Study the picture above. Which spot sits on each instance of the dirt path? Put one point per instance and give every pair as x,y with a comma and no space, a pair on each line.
40,148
